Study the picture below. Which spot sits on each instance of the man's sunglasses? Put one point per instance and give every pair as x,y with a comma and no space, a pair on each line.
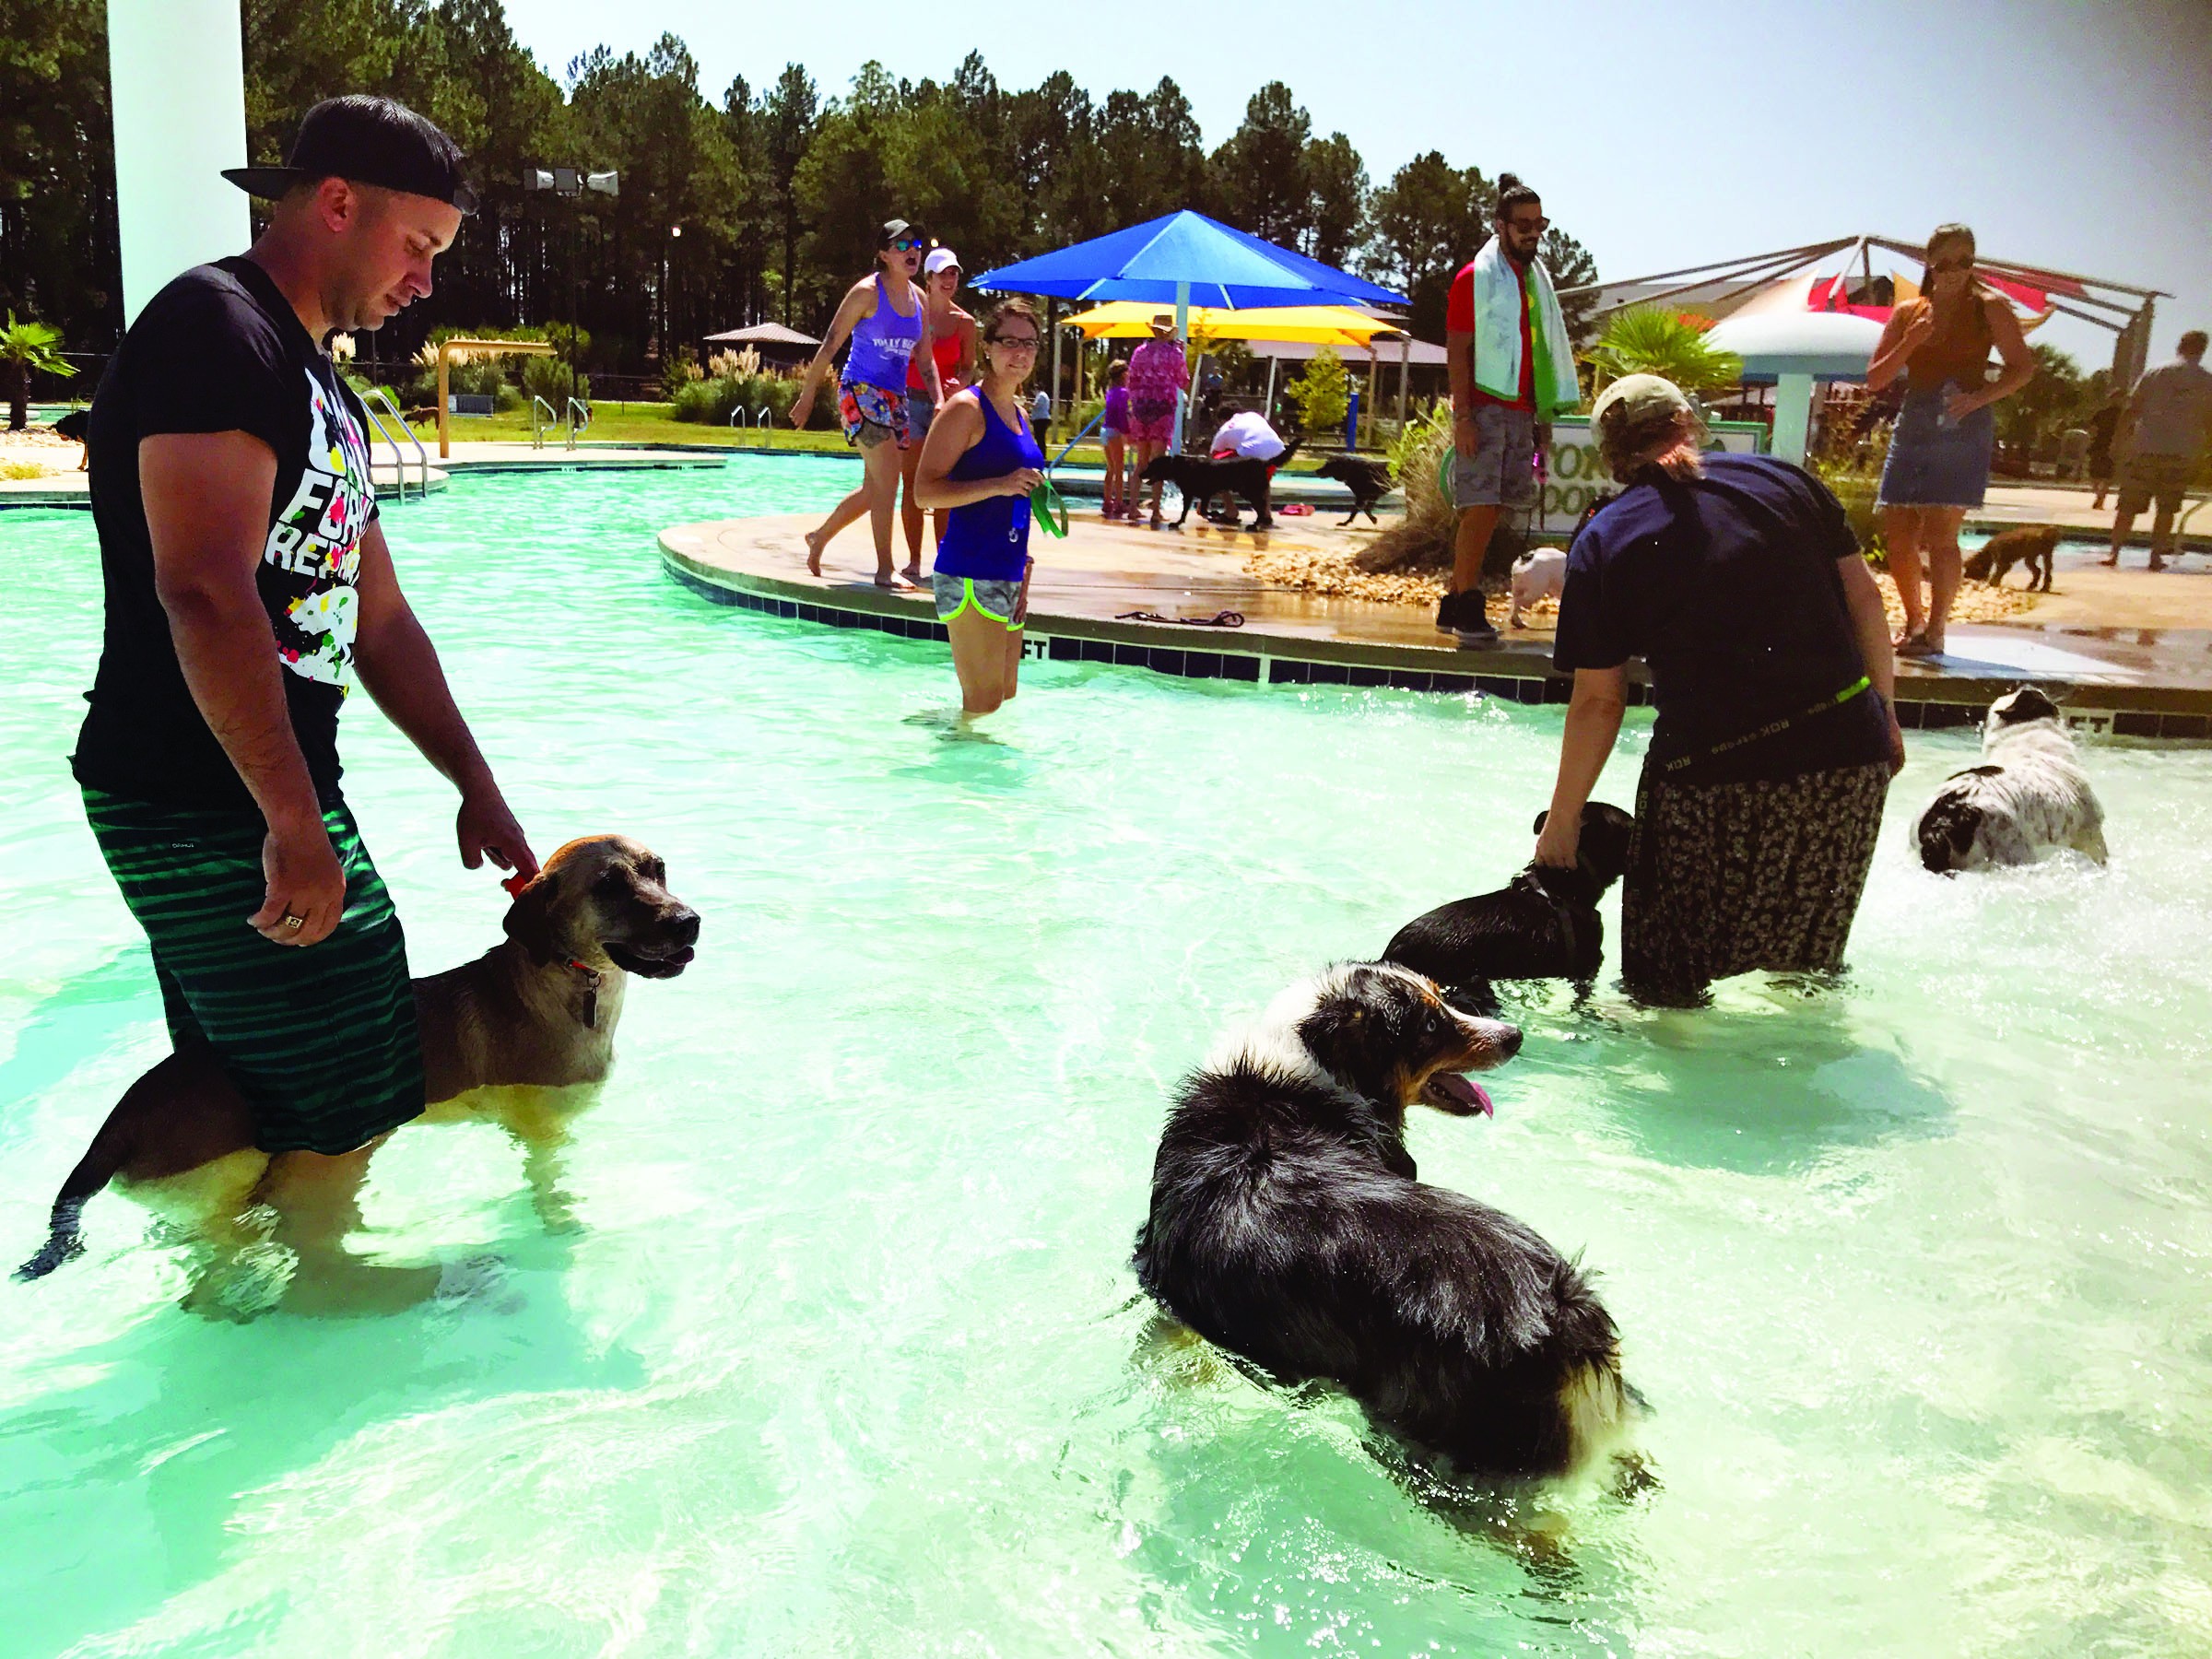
1528,227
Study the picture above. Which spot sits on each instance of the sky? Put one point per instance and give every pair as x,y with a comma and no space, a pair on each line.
2075,135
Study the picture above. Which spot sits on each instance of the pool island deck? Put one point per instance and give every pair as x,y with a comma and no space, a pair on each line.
2135,681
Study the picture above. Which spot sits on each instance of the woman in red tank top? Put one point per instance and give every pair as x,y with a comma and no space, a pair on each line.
1940,447
952,343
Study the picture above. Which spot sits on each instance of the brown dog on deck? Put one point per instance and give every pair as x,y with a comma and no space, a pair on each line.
1993,557
541,1008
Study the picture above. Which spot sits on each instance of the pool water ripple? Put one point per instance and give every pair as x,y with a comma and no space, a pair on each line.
840,1352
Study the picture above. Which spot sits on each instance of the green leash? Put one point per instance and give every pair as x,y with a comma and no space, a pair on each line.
1048,509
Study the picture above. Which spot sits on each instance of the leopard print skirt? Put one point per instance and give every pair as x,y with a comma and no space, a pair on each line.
1727,878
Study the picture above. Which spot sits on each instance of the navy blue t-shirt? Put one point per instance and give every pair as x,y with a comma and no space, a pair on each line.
1728,587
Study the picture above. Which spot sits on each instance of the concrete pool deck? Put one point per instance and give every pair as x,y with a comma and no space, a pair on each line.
2147,681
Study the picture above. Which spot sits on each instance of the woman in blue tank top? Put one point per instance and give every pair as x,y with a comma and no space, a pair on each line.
884,317
979,465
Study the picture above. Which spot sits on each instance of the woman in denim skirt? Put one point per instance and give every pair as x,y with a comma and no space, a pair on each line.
1939,450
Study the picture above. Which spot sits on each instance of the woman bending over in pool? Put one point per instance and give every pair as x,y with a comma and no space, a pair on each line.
888,325
980,463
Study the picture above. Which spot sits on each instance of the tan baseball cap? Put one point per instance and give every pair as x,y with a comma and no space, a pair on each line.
1638,396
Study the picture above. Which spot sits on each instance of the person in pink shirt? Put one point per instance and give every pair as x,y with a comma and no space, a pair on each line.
1158,377
1113,432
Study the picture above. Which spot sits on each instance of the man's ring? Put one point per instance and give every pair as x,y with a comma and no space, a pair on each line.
294,922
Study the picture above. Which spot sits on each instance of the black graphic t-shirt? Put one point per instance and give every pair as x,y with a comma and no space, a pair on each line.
218,350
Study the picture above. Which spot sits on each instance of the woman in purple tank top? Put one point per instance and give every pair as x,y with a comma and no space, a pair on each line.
884,317
979,463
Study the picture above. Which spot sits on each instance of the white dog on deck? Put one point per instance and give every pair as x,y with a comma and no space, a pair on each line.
2028,799
1538,575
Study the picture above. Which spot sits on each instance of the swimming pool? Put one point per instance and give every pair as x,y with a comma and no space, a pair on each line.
842,1356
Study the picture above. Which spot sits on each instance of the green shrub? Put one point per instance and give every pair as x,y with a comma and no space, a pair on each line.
704,402
550,378
1323,393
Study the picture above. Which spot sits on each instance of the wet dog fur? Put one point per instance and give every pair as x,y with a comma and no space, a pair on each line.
1543,925
2028,799
1367,480
539,1009
1200,478
1288,1225
2031,543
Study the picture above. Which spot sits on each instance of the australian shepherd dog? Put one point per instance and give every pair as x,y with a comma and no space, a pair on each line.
1288,1227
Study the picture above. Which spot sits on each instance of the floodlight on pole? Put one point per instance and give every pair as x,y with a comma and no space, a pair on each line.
605,184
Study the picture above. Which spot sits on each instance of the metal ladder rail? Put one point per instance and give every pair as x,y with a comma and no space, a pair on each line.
739,420
764,425
372,400
571,412
538,428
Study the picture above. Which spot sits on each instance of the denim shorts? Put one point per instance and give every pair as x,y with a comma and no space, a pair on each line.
920,412
1502,471
1934,460
995,600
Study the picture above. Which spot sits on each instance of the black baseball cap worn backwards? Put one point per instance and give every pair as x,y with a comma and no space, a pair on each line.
370,140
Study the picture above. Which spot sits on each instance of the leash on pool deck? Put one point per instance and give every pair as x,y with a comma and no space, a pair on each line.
1227,619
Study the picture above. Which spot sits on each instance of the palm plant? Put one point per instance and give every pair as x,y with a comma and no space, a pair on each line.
23,348
1647,340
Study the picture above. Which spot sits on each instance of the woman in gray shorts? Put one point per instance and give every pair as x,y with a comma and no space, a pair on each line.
981,462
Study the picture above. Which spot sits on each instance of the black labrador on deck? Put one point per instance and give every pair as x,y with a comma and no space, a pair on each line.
1543,924
1199,478
1288,1225
1367,480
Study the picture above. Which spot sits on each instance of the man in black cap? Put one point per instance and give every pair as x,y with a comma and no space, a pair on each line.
248,586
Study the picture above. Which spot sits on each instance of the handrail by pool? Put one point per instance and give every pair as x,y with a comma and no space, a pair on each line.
764,425
571,412
1078,438
537,429
375,397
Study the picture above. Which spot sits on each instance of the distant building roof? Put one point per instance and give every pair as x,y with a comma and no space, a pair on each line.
763,334
1418,353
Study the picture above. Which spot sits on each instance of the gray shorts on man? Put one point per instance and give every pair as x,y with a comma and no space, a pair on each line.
1502,470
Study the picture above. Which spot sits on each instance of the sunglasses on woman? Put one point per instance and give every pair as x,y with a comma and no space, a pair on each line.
906,244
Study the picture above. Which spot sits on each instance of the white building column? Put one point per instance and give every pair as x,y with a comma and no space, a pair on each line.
1793,416
177,85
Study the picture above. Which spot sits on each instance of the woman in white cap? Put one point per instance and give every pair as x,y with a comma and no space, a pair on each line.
1737,581
952,345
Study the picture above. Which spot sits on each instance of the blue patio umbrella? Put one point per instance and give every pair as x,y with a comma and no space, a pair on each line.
1180,260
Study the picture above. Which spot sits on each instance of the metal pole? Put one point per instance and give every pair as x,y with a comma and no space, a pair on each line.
1182,336
1373,362
1053,321
1268,409
177,91
1404,374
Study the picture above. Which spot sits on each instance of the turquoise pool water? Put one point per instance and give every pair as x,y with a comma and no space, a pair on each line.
843,1357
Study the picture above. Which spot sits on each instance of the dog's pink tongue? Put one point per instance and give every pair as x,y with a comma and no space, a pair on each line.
1467,1092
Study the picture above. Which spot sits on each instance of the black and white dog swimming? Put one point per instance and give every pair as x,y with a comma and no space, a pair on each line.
1367,480
1288,1226
1543,924
2028,799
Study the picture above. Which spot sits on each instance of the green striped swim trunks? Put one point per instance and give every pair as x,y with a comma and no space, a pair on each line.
320,1037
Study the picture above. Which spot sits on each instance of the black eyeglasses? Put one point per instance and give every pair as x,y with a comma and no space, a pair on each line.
906,244
1536,227
1018,342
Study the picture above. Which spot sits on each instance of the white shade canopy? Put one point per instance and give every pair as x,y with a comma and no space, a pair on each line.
1825,345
